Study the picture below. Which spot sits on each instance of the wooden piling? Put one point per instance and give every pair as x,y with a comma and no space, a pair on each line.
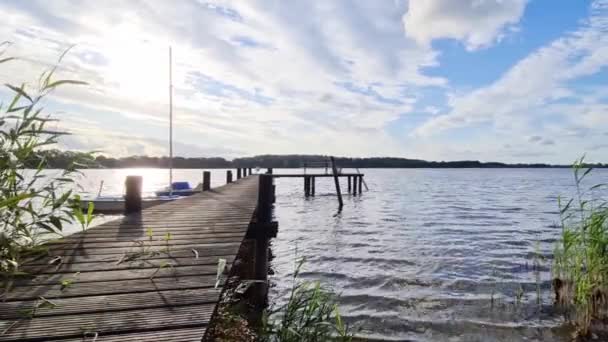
206,181
312,188
360,185
133,186
238,173
349,187
354,185
269,171
228,177
262,238
249,171
337,183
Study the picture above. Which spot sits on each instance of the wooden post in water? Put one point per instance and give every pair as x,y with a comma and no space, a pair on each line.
349,187
133,185
269,171
306,186
206,181
354,185
238,173
337,183
228,177
249,171
262,237
360,185
312,189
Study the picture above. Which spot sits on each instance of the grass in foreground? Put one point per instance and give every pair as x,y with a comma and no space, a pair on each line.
34,202
580,266
310,314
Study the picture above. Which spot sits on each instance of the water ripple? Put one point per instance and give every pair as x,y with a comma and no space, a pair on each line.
432,255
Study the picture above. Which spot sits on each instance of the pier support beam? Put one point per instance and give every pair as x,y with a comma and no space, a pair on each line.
354,185
306,186
249,171
133,186
228,177
206,181
262,237
312,188
349,187
337,183
269,171
360,185
238,173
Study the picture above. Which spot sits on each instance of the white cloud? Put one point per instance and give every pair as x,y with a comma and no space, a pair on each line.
536,83
478,23
303,77
242,70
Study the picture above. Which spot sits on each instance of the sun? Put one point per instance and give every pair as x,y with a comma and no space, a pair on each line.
139,71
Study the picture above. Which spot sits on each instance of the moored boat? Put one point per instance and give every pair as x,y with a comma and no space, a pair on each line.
179,189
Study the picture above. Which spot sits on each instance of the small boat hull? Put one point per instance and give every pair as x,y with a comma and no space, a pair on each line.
188,192
180,189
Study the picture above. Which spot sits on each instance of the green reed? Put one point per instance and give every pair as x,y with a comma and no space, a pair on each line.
310,314
580,267
34,204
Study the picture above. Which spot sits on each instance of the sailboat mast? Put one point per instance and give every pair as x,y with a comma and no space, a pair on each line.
170,123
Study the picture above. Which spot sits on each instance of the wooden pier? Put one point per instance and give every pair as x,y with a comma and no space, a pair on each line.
150,276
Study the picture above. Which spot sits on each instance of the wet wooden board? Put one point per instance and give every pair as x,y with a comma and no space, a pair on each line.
176,253
46,328
109,287
128,281
111,302
123,264
174,335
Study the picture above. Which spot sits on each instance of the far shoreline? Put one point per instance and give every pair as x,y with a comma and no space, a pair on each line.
59,159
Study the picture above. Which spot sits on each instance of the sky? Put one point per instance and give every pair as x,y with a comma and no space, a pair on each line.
490,80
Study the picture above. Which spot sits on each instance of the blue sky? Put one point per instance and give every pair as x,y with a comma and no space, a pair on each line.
500,80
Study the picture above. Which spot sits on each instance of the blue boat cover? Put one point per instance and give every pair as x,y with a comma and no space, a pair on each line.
181,186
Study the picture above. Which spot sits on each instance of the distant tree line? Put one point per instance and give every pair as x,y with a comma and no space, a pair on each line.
62,159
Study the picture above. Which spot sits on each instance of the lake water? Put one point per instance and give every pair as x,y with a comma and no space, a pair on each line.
425,254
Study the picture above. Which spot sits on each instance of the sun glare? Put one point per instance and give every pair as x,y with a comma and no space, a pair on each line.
140,71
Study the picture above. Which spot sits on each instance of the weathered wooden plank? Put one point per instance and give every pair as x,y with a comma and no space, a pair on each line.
172,335
191,221
188,222
158,233
112,322
123,263
68,258
112,302
127,274
118,250
146,242
110,287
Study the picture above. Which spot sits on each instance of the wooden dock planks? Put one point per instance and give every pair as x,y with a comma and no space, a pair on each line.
129,280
